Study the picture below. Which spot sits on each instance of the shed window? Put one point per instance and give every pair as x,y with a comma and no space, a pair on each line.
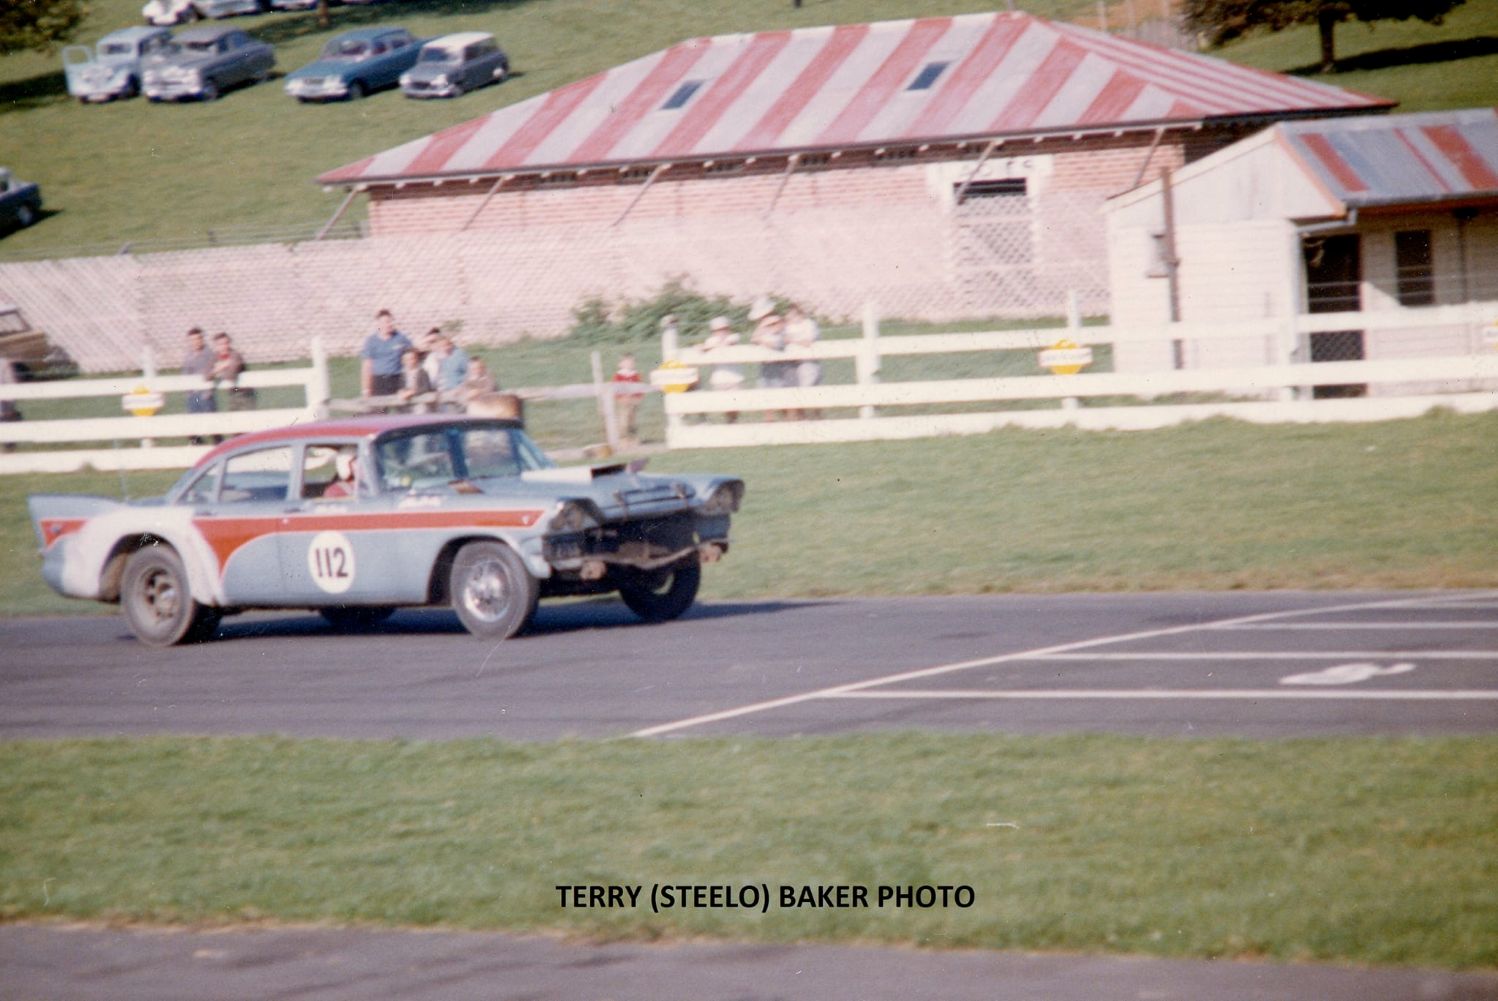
1414,277
927,76
683,95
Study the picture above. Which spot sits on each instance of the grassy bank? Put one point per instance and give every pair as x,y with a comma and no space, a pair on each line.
1213,848
1214,505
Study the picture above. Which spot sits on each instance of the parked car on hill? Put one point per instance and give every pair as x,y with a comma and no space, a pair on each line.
113,67
165,12
354,64
204,62
355,517
20,202
31,354
453,64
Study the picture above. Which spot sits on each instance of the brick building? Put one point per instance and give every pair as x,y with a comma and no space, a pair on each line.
945,167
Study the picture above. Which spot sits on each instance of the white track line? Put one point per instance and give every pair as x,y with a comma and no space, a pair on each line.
1274,626
1277,655
1253,694
1038,653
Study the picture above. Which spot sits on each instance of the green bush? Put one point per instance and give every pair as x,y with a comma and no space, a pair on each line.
598,321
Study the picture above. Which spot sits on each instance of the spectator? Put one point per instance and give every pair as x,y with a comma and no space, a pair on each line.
769,333
451,369
477,383
199,362
801,332
228,364
720,335
427,346
414,382
627,399
380,368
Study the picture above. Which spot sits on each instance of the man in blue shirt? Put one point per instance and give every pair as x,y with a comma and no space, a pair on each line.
380,370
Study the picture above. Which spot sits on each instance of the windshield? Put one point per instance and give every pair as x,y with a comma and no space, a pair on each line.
438,56
205,45
117,49
345,48
423,458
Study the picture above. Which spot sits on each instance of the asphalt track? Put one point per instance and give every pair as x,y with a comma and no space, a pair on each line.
1265,665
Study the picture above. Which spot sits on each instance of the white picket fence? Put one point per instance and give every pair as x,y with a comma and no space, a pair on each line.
140,433
1276,393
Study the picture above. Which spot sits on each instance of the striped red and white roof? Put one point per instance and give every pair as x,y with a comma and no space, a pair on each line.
1401,159
777,92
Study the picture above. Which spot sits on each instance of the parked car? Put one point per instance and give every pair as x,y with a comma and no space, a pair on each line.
31,354
450,65
113,67
20,202
204,62
165,12
354,64
358,516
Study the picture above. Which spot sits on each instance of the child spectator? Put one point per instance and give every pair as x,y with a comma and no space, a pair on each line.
628,399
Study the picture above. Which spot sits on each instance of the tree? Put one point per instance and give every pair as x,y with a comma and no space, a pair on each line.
38,25
1224,20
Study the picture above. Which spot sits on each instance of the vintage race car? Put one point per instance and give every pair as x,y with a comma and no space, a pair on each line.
356,517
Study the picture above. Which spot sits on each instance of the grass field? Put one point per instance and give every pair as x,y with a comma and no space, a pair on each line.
1292,850
131,171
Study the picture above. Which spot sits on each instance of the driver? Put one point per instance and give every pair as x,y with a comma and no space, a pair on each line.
344,484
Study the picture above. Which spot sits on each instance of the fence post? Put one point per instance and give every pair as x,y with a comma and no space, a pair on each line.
604,393
148,372
1074,334
319,388
866,363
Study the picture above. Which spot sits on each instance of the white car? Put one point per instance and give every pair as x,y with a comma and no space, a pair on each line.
163,12
113,67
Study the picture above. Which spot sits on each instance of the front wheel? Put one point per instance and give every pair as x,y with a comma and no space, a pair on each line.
25,216
357,90
662,595
157,601
209,91
492,591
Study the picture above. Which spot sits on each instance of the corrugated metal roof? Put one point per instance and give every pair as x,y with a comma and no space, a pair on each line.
984,75
1401,159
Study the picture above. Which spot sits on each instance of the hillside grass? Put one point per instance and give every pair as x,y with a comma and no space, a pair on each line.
131,171
1222,849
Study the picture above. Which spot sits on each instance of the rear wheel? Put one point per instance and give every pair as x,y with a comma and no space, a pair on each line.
662,595
492,591
157,601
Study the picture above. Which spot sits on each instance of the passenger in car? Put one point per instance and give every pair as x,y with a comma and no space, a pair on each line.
343,484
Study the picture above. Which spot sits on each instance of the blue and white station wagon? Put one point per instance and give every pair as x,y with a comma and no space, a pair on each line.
356,517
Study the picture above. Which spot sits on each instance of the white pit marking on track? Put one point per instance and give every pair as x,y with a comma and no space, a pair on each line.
1199,694
1062,651
1346,674
1275,626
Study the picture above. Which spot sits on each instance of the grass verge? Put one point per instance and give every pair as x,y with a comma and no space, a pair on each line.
1291,850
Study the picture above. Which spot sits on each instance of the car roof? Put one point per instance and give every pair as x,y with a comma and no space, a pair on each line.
366,426
365,34
458,40
206,33
133,34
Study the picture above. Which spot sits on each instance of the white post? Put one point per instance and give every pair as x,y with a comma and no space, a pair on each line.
147,372
1074,333
319,388
866,363
604,393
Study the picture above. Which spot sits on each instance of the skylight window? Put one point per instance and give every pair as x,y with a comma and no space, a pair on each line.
683,95
927,76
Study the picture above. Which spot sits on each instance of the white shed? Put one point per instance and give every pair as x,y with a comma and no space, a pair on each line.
1313,216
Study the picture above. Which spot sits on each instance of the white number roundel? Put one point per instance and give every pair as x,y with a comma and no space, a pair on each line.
330,560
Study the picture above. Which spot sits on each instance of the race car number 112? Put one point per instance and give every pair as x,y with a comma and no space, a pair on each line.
330,560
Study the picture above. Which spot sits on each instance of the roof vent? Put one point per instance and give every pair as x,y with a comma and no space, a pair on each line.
682,95
927,76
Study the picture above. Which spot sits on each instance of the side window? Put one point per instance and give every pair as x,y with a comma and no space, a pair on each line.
204,489
379,49
400,41
257,476
418,460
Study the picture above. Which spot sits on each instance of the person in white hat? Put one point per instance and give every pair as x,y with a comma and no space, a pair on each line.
720,335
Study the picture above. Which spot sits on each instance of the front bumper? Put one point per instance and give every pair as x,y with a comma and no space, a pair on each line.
172,90
317,90
643,544
420,88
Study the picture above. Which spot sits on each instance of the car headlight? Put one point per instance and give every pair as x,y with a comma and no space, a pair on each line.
575,516
405,79
440,80
725,498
